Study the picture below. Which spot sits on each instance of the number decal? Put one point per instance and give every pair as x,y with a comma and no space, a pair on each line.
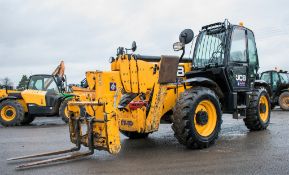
181,71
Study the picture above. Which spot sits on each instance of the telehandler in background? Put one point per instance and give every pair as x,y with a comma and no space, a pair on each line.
46,95
141,91
278,80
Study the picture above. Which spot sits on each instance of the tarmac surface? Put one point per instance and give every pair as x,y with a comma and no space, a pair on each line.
237,151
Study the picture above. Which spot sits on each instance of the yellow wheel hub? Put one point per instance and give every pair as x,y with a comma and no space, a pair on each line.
264,108
8,113
205,119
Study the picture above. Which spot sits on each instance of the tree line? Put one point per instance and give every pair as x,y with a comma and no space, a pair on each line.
6,83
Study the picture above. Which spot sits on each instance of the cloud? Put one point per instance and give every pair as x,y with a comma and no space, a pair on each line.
36,35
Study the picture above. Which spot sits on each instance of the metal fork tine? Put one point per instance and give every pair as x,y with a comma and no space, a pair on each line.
53,160
45,154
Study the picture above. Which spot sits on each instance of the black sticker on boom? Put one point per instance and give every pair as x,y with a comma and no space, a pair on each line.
112,86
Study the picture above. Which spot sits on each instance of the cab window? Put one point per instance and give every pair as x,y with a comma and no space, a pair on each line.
238,46
43,84
252,54
275,80
266,77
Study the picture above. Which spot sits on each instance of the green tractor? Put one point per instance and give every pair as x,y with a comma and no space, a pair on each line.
279,83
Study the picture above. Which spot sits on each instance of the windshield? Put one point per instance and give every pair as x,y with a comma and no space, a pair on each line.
210,49
43,83
284,77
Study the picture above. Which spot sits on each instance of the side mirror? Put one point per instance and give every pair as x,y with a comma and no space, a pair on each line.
186,36
133,46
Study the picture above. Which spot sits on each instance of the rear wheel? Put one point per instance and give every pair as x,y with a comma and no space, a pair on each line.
134,135
197,118
284,101
258,113
11,113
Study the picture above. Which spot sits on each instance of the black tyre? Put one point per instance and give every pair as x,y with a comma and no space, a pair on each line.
135,135
63,110
27,119
11,113
284,101
259,111
197,118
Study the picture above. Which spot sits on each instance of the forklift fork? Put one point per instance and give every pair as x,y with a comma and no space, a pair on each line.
72,156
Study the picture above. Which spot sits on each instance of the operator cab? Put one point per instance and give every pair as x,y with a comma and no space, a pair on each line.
275,78
225,58
49,83
229,50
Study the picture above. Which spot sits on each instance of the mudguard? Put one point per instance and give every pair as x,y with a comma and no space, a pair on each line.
264,84
7,98
205,82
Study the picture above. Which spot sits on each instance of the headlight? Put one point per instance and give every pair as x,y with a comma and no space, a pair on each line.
178,46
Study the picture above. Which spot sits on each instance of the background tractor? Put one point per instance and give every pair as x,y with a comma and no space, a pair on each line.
279,83
46,95
141,91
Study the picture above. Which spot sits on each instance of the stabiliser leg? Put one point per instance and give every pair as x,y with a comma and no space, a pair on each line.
67,157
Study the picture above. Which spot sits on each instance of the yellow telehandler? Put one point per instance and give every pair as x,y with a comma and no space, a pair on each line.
141,91
46,95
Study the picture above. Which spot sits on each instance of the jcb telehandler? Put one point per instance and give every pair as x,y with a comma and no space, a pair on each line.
45,95
140,91
278,80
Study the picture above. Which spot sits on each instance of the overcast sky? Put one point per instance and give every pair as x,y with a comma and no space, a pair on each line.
36,35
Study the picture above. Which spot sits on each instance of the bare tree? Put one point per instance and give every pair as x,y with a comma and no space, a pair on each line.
6,82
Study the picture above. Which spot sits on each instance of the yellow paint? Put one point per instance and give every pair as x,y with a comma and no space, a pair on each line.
8,113
208,128
264,115
4,93
34,97
130,76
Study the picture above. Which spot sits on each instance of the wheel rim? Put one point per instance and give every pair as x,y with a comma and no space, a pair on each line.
66,111
285,101
264,113
207,126
8,113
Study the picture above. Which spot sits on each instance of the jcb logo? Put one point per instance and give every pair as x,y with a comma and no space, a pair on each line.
241,78
181,71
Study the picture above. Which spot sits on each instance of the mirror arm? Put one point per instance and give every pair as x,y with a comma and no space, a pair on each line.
183,53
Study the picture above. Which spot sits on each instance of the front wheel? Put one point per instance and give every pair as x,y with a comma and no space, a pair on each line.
197,118
259,110
63,110
11,113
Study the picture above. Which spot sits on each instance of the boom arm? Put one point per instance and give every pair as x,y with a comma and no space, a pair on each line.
59,72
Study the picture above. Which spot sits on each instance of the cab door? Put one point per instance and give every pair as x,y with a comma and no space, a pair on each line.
238,66
275,81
